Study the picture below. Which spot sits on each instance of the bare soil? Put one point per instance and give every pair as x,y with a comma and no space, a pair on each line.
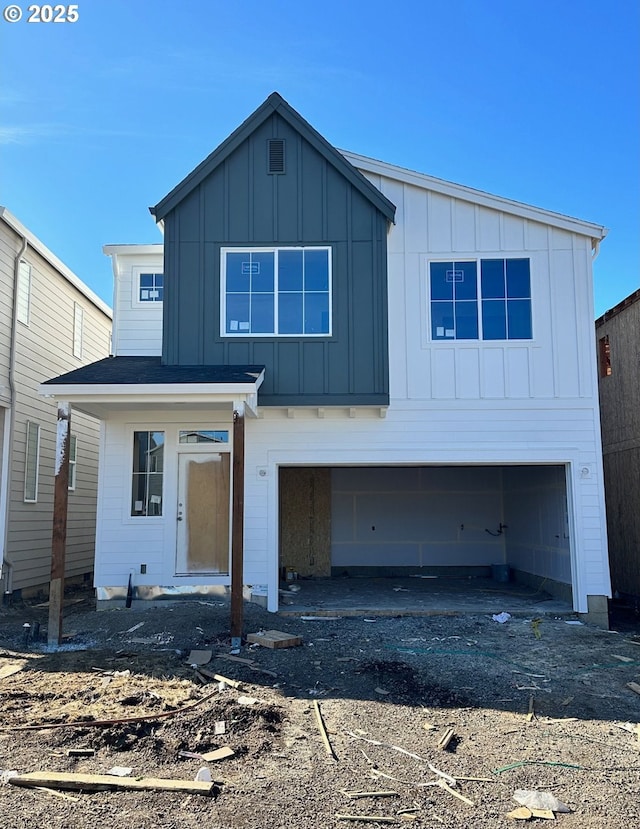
539,705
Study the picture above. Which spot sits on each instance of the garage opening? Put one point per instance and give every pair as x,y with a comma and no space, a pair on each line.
504,522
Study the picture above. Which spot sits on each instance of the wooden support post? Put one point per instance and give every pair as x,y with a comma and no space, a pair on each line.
59,536
237,526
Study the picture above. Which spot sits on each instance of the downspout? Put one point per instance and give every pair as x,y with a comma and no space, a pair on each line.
7,564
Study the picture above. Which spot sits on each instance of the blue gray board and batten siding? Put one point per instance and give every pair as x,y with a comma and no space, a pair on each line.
319,200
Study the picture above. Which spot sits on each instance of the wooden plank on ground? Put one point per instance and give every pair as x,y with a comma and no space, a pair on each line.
101,782
275,639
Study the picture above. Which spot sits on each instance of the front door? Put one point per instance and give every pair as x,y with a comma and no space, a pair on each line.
203,513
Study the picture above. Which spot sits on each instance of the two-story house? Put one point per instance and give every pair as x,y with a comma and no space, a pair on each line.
50,321
414,358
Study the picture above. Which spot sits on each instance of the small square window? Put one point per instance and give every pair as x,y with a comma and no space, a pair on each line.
150,287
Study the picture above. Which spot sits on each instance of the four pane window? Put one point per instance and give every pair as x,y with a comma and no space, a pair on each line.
151,287
284,291
502,289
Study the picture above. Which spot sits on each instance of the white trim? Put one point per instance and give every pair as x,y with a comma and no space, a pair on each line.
275,249
44,251
140,250
128,516
459,191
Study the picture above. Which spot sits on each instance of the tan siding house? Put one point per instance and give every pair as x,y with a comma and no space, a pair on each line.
50,322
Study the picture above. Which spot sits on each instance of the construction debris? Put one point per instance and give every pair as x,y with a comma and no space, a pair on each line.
199,657
533,799
446,738
358,795
323,730
274,639
367,818
12,667
104,782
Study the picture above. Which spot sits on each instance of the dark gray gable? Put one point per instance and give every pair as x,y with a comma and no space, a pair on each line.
274,103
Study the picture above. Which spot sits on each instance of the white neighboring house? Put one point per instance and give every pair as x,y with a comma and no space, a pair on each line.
50,322
415,359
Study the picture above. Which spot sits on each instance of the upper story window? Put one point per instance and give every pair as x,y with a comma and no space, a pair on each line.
78,327
276,292
489,299
23,293
150,287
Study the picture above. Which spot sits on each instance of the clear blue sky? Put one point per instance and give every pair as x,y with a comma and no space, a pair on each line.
534,100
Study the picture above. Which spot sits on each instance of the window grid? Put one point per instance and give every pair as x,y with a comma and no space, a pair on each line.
278,295
484,299
150,287
31,462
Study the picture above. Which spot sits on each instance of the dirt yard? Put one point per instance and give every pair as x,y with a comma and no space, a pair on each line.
534,705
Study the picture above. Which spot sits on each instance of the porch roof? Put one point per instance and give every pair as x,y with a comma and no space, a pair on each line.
120,383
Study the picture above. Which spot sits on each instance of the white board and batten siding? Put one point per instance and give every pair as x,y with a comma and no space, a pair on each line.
495,403
137,326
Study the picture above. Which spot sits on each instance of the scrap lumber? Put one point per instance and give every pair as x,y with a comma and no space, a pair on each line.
446,738
12,667
218,754
357,795
274,639
323,731
444,785
367,818
232,683
104,782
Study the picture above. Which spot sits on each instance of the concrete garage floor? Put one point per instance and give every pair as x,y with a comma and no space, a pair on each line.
440,596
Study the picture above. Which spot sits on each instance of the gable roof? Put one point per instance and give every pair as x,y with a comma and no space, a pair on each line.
480,197
275,103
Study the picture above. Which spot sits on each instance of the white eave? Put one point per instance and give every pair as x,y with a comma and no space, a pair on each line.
459,191
53,260
134,250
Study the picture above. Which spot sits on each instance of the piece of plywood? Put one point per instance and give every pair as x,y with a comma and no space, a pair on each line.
275,639
305,520
207,515
100,782
11,667
219,754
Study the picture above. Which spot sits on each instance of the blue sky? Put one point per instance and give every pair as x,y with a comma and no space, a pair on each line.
535,100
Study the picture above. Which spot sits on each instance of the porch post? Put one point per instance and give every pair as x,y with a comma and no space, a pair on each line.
59,536
237,525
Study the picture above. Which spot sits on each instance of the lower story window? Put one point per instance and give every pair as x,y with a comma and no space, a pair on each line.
73,458
148,471
489,302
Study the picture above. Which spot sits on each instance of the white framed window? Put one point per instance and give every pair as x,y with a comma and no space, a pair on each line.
147,473
23,292
32,462
282,292
150,287
480,299
73,458
78,329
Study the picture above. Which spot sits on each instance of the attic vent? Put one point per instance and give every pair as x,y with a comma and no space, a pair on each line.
275,153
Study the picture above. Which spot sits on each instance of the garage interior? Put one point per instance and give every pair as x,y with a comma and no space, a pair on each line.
437,532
